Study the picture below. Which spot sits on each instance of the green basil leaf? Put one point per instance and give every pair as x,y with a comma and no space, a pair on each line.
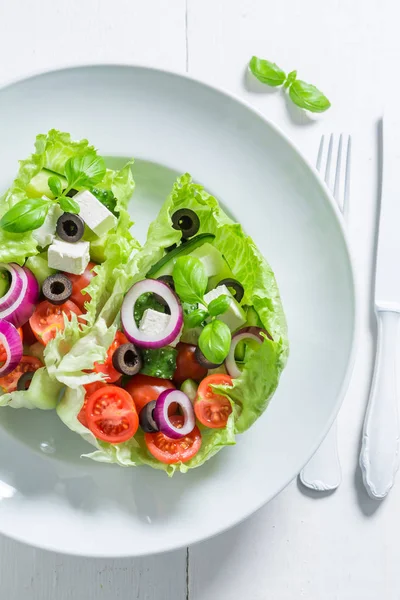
55,185
190,279
267,72
86,170
308,96
290,78
27,215
69,205
215,341
196,318
219,305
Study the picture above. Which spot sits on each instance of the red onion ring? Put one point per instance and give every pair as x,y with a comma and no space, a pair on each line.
18,304
247,333
160,414
12,343
132,331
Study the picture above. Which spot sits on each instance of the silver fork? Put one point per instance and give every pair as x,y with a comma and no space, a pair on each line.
323,473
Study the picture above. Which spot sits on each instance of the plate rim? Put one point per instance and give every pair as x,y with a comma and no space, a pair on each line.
355,290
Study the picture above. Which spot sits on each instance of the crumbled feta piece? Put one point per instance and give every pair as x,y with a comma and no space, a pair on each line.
71,258
234,316
155,323
94,213
45,234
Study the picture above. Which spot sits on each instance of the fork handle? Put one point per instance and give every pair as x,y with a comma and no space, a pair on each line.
379,458
322,473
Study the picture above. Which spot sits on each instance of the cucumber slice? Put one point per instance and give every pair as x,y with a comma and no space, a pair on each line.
4,283
39,266
189,387
38,186
165,265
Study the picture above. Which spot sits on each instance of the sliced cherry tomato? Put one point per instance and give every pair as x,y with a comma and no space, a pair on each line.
111,414
28,363
48,319
170,451
3,353
90,388
187,366
107,367
79,283
144,389
212,409
29,336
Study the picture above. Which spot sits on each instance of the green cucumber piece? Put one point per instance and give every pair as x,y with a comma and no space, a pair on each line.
189,387
38,185
4,283
165,265
39,266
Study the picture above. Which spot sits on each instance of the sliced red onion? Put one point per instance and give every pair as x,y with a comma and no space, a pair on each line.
160,414
18,304
149,339
247,333
12,343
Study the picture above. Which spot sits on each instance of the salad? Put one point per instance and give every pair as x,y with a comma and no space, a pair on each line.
156,355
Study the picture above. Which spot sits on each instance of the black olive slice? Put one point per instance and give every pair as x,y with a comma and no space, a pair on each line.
70,227
201,359
186,221
57,288
146,419
25,380
71,193
127,360
235,286
168,279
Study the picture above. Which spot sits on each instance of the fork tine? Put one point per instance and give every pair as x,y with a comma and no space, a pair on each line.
329,161
336,189
347,179
320,153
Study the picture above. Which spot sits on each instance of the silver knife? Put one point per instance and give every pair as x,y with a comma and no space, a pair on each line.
379,459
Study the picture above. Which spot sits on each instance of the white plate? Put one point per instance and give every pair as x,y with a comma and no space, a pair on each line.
53,499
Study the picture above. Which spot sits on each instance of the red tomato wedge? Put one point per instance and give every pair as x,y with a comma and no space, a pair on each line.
3,353
29,337
187,366
48,319
79,283
144,389
213,410
111,414
107,367
90,388
10,381
170,451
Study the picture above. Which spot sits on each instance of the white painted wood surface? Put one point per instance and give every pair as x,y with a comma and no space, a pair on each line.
342,546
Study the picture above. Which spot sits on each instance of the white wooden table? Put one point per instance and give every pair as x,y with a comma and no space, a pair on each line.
343,546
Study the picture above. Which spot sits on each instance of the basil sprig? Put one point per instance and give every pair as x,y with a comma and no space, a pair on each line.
190,281
302,94
29,214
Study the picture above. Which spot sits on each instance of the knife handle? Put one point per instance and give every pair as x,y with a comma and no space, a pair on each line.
379,458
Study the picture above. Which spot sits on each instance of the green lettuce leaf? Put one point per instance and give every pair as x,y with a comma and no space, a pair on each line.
251,391
43,393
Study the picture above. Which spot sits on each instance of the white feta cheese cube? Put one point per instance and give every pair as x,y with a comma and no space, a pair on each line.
154,322
71,258
45,234
234,316
94,213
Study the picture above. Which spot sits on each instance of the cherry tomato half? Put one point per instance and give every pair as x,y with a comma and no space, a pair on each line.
29,337
107,367
90,388
48,319
144,389
79,283
212,409
10,381
111,414
187,366
3,353
170,451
